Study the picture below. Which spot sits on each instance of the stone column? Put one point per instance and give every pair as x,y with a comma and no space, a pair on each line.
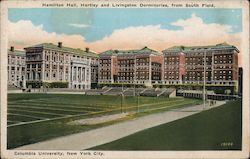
89,77
31,73
50,66
111,68
15,71
84,75
24,82
58,67
36,72
43,71
43,66
150,70
71,75
76,74
64,70
20,73
80,77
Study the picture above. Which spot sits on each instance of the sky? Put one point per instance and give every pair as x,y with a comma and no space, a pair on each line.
129,28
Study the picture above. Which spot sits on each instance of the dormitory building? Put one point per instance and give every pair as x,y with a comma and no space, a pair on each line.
83,69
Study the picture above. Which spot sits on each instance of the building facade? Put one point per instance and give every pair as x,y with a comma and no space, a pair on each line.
240,81
94,71
218,62
82,69
143,66
16,68
174,66
55,63
107,71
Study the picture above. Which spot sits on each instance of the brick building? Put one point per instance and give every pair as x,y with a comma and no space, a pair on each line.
174,66
143,66
82,69
186,64
107,71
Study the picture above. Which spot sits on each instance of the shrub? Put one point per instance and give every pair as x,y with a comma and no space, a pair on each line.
34,84
59,85
38,84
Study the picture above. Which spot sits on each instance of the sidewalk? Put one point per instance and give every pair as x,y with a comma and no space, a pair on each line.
88,139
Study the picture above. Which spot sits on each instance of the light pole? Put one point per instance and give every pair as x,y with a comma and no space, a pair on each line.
138,102
122,99
136,94
134,89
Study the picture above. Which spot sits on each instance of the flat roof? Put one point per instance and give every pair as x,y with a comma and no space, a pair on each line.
65,49
197,48
136,52
16,52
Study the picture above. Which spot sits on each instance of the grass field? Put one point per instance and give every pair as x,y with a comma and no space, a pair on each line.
37,117
23,108
214,129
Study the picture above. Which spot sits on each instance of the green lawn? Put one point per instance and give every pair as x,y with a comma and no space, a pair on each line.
215,129
63,108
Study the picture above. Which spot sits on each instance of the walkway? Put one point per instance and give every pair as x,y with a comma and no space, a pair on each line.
88,139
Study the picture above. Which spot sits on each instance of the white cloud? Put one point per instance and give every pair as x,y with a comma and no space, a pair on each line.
23,33
194,32
79,25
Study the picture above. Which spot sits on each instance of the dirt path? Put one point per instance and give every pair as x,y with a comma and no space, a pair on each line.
98,120
110,133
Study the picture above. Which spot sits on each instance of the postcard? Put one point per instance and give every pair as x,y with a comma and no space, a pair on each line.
113,79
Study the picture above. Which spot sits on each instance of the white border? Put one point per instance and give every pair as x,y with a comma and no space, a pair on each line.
130,154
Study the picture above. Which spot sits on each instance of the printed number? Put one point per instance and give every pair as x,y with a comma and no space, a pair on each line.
227,144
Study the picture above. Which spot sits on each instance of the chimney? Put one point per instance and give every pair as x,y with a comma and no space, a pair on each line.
87,49
60,44
12,48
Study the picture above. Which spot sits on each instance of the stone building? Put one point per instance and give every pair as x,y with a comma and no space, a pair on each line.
16,68
50,63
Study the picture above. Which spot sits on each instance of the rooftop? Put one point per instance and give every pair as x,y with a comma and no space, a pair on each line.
65,49
196,48
143,51
16,52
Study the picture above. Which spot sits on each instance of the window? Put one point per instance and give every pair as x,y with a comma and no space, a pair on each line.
39,75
